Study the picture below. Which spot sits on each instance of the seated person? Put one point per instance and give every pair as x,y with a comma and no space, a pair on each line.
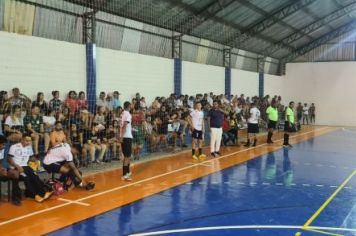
59,159
57,135
6,174
18,157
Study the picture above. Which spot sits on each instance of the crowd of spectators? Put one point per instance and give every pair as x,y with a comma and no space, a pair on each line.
157,125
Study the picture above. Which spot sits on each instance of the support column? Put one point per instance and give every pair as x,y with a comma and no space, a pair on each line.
261,75
227,65
177,57
89,27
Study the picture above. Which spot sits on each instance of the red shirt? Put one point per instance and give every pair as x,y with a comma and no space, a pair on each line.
72,104
226,125
82,104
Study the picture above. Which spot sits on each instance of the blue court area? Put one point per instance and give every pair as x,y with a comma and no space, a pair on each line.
268,195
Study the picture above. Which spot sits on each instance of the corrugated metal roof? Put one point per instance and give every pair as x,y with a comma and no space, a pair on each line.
251,25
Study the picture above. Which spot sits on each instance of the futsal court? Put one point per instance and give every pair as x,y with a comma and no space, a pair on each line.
267,190
177,117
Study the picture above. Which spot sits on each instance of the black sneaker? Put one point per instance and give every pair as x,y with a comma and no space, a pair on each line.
218,154
212,154
184,145
16,202
90,186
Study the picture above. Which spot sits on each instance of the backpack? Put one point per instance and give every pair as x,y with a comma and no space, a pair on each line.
55,186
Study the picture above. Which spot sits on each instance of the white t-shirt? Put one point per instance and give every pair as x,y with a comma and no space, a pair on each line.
305,110
13,122
60,152
20,154
51,120
127,118
254,115
197,119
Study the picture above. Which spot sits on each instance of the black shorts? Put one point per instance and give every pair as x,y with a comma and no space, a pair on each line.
272,124
54,167
127,147
289,127
197,134
252,128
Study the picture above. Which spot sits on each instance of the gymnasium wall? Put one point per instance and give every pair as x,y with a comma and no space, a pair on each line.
36,64
330,85
245,82
200,78
130,73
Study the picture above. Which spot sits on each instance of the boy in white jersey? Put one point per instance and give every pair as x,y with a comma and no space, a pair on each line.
59,159
19,154
196,122
252,126
126,140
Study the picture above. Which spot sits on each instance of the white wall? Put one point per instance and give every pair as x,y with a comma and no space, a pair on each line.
274,85
245,82
130,73
36,64
330,85
199,78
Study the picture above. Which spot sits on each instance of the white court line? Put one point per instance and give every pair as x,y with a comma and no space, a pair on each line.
74,202
244,227
148,179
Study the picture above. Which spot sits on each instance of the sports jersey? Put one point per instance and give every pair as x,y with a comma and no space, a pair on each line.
197,119
20,154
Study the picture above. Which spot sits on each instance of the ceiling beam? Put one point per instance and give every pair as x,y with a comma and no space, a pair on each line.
203,15
321,40
268,21
311,28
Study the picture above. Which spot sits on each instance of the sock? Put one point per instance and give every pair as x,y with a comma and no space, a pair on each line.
248,142
124,170
200,151
269,136
285,140
193,152
255,142
128,168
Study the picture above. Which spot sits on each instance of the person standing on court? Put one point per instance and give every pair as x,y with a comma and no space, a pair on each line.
196,122
289,125
272,115
126,140
252,126
215,119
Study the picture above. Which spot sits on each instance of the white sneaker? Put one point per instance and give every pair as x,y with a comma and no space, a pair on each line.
127,177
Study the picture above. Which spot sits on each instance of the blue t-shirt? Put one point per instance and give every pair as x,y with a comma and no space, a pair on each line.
216,118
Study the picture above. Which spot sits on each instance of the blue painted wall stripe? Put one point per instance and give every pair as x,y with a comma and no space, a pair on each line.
261,84
228,81
91,76
177,76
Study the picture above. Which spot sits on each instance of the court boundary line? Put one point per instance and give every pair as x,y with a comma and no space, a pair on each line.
151,178
242,227
306,226
73,201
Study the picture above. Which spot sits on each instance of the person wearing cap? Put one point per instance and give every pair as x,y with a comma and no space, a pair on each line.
116,101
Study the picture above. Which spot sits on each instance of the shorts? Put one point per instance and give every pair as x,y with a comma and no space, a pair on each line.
197,134
289,127
272,124
54,167
252,128
127,147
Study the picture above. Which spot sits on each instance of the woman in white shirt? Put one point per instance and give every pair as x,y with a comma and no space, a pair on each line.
14,125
